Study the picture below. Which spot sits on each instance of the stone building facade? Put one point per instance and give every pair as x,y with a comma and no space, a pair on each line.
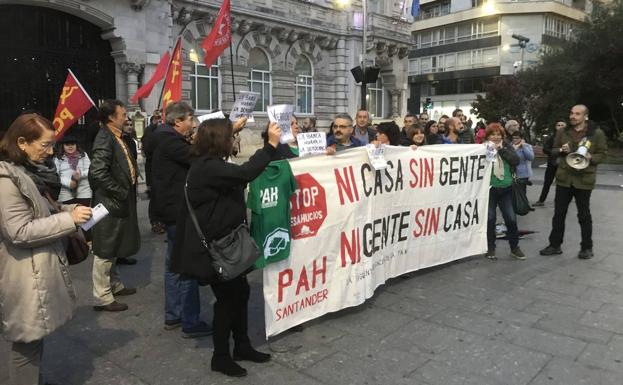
295,52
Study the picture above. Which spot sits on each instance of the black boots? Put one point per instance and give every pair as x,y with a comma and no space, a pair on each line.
227,366
247,353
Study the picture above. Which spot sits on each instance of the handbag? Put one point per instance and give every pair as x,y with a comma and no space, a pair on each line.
232,254
76,246
521,204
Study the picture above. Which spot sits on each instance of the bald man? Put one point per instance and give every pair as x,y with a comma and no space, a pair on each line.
573,183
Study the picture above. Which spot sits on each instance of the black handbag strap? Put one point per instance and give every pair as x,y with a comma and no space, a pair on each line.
193,216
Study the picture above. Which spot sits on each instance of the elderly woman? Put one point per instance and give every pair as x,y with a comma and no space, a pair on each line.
500,193
216,193
36,292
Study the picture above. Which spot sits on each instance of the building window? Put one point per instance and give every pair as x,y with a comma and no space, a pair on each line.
374,98
204,81
557,27
304,86
259,78
428,11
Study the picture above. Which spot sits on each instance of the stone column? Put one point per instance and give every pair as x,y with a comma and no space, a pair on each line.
395,94
132,71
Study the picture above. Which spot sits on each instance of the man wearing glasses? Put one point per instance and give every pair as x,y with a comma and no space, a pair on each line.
342,138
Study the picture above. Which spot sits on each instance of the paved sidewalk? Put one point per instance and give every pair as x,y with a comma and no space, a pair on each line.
543,321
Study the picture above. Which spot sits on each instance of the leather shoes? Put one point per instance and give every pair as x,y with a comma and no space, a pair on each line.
125,291
126,261
113,307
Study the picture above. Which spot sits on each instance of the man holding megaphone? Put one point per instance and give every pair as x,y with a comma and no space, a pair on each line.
579,148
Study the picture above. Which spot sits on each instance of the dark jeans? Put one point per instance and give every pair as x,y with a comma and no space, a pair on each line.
502,198
550,174
230,314
561,205
181,296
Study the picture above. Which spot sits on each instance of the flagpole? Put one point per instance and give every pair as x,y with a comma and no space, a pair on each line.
168,68
231,67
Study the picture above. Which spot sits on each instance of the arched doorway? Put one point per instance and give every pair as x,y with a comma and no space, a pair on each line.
38,45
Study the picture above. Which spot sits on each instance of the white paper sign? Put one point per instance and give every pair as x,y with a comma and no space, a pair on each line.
97,214
377,156
353,228
244,105
214,115
491,151
281,114
311,143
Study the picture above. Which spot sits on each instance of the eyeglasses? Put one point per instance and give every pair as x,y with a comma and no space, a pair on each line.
45,146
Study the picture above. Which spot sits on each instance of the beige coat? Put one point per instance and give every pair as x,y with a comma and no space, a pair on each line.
36,292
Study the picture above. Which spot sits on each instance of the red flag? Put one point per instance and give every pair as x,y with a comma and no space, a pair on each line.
161,70
172,91
72,104
220,36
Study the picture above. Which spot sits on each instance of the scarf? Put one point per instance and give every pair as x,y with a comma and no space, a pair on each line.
45,177
73,159
498,166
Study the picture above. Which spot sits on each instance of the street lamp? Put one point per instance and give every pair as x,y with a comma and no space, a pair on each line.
522,41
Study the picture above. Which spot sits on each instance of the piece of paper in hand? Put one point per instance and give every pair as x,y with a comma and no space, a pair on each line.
491,151
311,143
214,115
281,114
97,214
244,106
377,156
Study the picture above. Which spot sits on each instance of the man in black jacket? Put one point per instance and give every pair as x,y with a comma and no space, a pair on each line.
552,164
170,164
113,179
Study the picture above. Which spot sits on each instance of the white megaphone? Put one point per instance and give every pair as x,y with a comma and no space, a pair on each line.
578,160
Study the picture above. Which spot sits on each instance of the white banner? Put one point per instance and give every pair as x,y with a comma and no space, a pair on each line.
353,228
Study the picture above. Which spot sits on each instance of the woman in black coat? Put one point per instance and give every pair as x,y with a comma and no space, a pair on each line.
216,193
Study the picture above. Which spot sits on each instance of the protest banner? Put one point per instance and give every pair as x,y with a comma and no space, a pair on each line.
353,228
281,114
312,143
244,105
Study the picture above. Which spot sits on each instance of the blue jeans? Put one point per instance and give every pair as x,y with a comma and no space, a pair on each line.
502,198
181,296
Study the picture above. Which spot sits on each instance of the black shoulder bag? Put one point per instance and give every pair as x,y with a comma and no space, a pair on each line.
231,255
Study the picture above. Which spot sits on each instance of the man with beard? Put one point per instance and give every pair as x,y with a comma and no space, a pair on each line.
576,183
342,138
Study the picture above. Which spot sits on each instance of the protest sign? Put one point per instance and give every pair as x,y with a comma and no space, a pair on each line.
376,155
353,228
311,143
244,105
214,115
98,213
281,114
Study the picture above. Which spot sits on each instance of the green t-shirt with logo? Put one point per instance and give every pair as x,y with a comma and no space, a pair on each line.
269,201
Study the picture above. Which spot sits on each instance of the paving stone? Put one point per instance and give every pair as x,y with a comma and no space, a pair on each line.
471,322
608,318
569,328
382,367
510,316
428,338
495,359
546,342
554,310
441,373
565,372
419,308
369,321
557,286
609,357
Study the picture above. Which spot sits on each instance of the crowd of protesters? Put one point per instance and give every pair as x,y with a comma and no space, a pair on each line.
182,155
